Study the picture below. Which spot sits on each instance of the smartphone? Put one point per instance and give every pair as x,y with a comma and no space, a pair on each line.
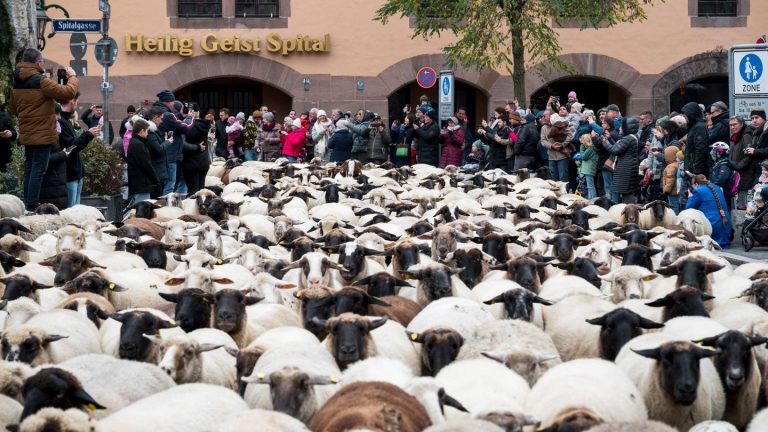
170,134
70,148
557,98
61,76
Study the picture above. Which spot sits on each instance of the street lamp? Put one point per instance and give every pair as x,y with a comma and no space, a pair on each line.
43,19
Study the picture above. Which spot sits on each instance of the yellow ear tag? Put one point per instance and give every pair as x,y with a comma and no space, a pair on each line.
260,375
414,336
219,261
205,300
91,407
172,322
334,379
112,286
297,294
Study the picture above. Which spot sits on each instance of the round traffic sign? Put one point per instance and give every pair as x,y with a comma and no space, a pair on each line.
106,51
426,77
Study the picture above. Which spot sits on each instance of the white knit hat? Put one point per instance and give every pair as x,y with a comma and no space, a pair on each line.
297,123
321,113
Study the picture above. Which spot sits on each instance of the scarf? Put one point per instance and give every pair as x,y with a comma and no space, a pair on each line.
267,126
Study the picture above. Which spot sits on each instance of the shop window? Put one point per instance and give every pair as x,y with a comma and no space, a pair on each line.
718,13
257,8
199,8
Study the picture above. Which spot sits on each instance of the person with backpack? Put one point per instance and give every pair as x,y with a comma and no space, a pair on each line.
723,173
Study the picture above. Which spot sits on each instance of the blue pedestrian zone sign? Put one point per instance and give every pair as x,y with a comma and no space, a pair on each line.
751,68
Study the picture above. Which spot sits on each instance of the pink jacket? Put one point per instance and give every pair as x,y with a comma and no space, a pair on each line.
294,142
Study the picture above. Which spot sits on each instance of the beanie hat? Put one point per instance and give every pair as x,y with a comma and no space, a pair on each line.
423,98
268,116
530,118
454,120
764,165
131,109
577,105
342,124
432,114
505,117
241,116
613,107
257,114
521,112
166,96
321,113
424,109
758,112
297,123
572,95
57,108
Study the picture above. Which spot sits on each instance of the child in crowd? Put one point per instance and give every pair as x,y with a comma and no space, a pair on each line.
234,130
474,158
762,182
588,164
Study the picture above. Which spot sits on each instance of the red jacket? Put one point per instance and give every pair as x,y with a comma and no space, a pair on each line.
453,145
294,142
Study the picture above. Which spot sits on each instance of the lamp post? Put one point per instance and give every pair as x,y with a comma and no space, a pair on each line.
43,19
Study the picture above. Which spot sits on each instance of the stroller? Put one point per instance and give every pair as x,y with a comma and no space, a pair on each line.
755,231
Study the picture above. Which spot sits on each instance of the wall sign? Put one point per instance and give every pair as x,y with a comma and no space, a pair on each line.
212,43
426,77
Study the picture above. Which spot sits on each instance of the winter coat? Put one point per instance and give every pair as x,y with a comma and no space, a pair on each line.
453,144
33,102
141,175
585,128
340,145
294,142
760,144
697,158
172,123
403,134
559,133
320,138
5,143
741,161
69,137
721,173
361,132
669,178
655,162
91,121
626,150
497,153
719,130
527,140
426,142
157,147
194,158
54,186
378,144
702,199
269,141
589,159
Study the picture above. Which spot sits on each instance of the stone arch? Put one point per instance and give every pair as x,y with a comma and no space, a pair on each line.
404,72
711,63
253,67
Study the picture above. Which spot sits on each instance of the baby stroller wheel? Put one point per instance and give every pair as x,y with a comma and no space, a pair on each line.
748,242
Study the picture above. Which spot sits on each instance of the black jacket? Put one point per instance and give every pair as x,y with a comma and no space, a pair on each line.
527,141
171,123
157,146
697,158
5,143
67,138
626,150
54,187
340,144
141,176
427,139
221,137
194,158
497,152
720,130
92,121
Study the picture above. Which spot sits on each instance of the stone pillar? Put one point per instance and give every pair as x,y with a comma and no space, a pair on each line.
228,9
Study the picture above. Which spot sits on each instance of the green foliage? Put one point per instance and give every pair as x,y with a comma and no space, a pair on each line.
103,169
498,33
11,182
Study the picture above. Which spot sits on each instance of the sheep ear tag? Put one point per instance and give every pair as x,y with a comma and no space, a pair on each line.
91,407
414,336
297,294
260,375
111,285
219,261
334,379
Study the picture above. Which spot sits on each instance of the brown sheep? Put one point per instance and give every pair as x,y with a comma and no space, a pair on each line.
401,309
150,228
371,405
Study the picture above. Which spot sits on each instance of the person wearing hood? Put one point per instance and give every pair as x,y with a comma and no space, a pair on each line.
527,143
341,142
669,181
321,132
697,160
69,138
141,176
556,138
710,200
452,139
718,115
427,137
33,100
626,150
361,134
294,141
197,152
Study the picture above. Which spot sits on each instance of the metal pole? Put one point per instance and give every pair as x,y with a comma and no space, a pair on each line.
105,85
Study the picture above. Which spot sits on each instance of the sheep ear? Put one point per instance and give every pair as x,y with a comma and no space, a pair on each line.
92,264
541,358
565,266
757,340
713,267
704,353
208,347
53,338
654,353
12,428
23,228
415,336
50,262
494,355
222,281
251,300
662,302
323,380
669,270
84,398
28,248
373,325
166,324
376,301
319,322
157,340
362,282
498,299
257,377
539,300
173,298
451,402
710,341
409,274
600,321
648,324
175,281
234,352
38,285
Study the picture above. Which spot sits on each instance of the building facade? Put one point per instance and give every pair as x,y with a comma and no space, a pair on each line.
331,54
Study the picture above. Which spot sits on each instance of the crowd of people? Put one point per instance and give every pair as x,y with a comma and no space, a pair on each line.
700,157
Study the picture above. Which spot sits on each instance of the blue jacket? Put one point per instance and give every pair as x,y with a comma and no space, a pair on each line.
340,143
585,128
702,199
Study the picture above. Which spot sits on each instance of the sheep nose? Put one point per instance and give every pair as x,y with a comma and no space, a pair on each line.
166,369
348,349
226,316
633,296
313,281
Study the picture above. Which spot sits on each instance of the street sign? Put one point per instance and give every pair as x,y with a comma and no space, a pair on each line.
106,51
426,77
445,101
748,78
77,26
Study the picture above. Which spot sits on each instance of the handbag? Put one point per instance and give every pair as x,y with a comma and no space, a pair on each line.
402,150
609,164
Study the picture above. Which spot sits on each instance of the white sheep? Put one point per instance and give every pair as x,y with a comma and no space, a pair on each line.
520,346
197,357
695,398
737,315
460,314
11,206
557,288
259,419
566,323
694,221
384,369
51,337
10,411
629,282
596,386
759,422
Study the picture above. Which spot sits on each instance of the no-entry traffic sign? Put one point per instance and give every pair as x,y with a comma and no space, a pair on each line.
426,77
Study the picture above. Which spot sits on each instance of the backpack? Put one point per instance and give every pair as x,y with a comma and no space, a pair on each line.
732,185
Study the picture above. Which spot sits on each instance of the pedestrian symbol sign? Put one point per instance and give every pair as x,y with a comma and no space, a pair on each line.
751,68
748,72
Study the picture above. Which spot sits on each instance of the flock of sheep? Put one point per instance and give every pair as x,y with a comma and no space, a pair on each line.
332,298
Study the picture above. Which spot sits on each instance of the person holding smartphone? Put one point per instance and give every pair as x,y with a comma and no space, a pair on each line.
73,145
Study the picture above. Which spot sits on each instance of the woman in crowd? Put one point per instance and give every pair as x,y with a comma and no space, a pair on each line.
294,141
269,138
626,150
740,140
402,137
340,143
452,140
197,158
321,133
710,200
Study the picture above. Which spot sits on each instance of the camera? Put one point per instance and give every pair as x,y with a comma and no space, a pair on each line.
61,76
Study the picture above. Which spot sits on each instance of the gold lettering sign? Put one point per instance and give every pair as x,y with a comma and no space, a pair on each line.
212,43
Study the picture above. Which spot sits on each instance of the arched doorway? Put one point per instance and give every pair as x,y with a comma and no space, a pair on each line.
706,90
236,93
593,93
466,96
